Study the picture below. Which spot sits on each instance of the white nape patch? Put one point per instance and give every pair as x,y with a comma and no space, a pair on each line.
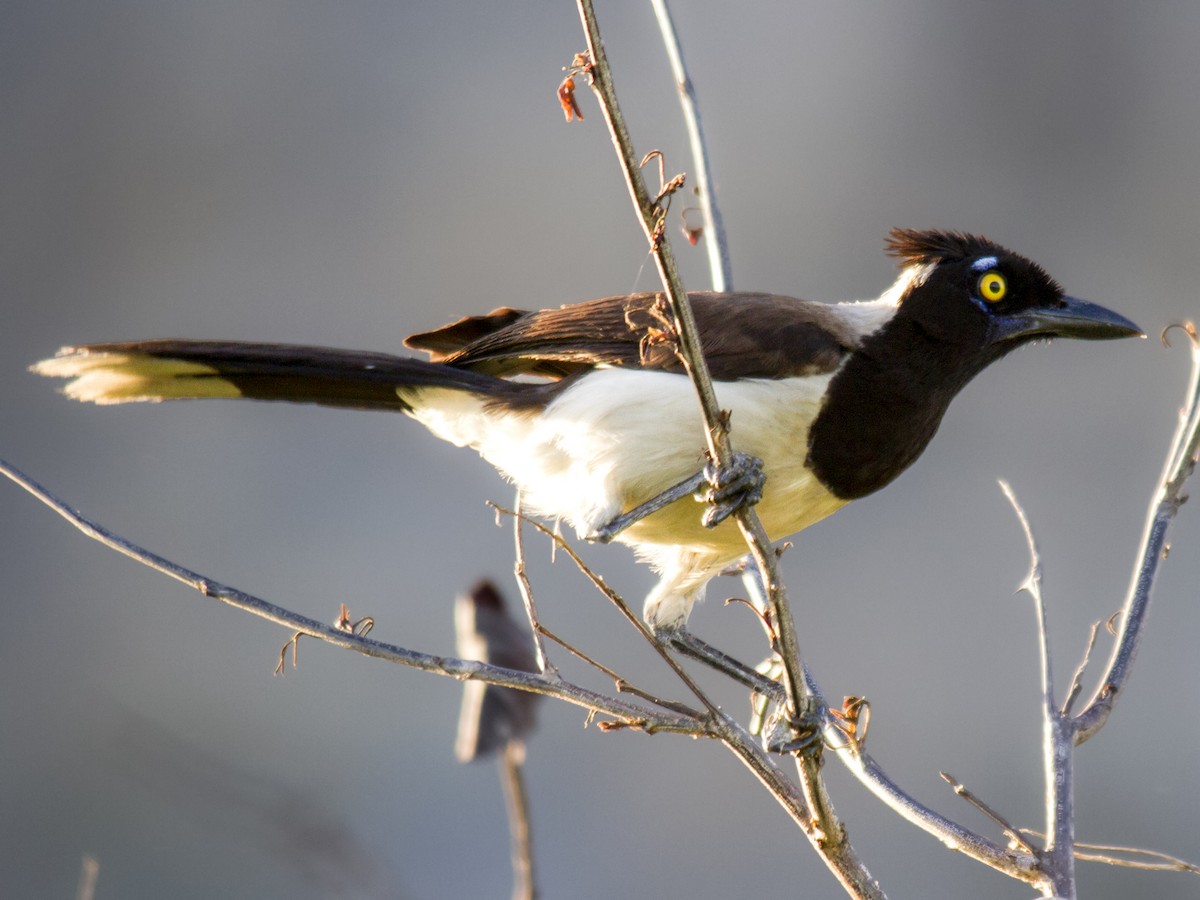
910,277
868,316
984,263
618,437
865,317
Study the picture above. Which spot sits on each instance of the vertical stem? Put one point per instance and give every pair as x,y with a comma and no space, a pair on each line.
689,349
716,244
1058,859
649,214
829,837
517,802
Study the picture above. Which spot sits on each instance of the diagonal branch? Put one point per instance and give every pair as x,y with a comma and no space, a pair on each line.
650,214
829,835
627,714
1180,463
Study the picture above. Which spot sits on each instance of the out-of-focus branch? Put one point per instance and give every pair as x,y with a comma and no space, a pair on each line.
716,244
516,798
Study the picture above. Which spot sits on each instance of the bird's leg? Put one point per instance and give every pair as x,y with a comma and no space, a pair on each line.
729,489
732,487
613,527
690,645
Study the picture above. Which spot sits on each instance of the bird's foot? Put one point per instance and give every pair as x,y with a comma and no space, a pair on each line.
736,486
727,489
614,527
690,645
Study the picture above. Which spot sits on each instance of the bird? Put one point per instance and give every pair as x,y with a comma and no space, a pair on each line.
589,410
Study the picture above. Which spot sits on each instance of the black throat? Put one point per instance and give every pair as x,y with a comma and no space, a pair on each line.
885,404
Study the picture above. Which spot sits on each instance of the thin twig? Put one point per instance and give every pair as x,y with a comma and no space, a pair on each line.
825,831
1180,463
720,725
619,602
535,626
1058,858
632,714
1102,853
1013,833
1032,585
716,243
1077,677
862,765
623,685
716,424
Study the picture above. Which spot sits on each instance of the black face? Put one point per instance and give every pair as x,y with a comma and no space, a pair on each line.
971,303
986,300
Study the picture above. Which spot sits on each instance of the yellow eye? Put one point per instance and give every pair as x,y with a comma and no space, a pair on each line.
992,287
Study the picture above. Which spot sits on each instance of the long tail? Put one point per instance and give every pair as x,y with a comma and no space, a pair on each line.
150,371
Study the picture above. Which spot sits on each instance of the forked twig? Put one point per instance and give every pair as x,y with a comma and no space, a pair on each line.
526,589
1077,677
1013,833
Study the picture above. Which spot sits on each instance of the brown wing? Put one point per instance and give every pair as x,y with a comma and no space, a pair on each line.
744,335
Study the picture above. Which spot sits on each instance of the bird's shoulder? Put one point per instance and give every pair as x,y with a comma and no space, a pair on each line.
743,335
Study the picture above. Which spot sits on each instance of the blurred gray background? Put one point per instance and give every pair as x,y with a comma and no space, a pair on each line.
350,173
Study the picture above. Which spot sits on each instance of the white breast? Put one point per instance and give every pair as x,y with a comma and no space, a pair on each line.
617,437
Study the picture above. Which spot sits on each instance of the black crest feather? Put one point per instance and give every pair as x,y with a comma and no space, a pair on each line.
918,247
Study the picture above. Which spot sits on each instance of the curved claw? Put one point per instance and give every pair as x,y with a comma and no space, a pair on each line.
731,488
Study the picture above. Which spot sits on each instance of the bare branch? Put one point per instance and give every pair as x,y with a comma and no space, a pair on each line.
1015,863
1077,678
619,602
1180,463
539,647
1058,859
1013,833
651,216
1032,585
632,715
716,243
1152,860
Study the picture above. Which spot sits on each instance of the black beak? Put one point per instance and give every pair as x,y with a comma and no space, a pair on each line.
1075,319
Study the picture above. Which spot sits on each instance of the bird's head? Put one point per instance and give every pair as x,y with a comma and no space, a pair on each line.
968,291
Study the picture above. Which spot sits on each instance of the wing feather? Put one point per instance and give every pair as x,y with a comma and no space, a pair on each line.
744,335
